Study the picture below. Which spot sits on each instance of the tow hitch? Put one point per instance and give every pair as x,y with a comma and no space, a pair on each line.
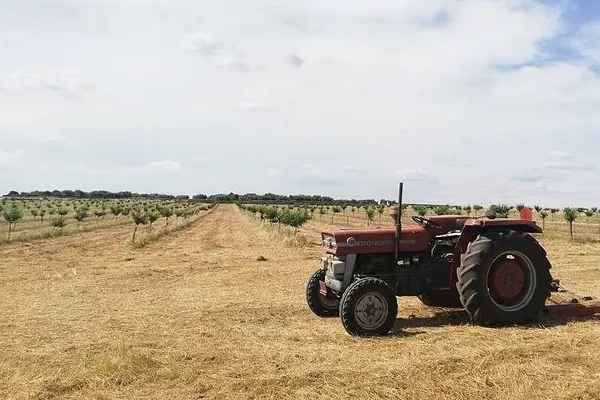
564,303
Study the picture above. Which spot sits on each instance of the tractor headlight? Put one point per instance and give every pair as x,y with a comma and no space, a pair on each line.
329,242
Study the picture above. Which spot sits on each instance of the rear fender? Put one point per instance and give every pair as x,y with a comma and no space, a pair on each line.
473,228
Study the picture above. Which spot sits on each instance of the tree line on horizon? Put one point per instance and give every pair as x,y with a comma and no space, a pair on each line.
218,197
254,198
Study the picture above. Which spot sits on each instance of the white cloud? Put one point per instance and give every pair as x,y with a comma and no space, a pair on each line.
568,165
256,106
353,169
559,154
218,51
587,41
12,158
66,82
203,43
159,166
561,160
275,173
51,139
415,175
537,175
453,92
306,175
295,60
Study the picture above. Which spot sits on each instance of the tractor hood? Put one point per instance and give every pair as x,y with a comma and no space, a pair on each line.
414,238
374,240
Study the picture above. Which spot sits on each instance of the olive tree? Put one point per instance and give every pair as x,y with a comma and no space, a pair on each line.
570,214
543,215
12,215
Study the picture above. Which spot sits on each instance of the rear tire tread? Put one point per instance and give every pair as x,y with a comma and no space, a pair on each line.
472,284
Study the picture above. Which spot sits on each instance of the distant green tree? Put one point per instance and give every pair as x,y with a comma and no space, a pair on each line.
116,210
12,215
442,210
543,215
166,212
294,219
498,210
59,222
457,210
81,214
370,214
570,214
421,210
336,210
153,217
322,211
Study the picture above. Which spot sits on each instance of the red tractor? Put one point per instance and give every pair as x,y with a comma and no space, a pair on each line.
493,267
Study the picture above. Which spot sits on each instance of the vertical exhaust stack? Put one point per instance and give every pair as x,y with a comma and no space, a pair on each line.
398,223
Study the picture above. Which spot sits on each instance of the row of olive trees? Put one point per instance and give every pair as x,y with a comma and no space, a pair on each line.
39,208
148,214
570,214
13,214
294,217
145,212
444,209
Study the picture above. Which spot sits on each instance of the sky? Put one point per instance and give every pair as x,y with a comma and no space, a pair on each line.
465,101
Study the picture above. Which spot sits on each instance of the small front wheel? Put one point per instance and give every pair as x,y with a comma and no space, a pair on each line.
368,308
323,306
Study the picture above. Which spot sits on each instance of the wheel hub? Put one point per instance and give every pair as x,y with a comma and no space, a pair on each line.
508,280
511,281
371,310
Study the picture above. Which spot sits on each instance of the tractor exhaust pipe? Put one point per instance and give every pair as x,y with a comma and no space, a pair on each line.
398,224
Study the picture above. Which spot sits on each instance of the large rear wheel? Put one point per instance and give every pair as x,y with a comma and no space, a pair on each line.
504,278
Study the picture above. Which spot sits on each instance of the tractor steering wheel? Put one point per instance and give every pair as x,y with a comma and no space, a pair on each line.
426,223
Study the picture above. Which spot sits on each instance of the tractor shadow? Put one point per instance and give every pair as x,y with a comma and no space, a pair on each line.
459,317
443,318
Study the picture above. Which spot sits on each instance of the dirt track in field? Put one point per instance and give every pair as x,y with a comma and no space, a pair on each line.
195,315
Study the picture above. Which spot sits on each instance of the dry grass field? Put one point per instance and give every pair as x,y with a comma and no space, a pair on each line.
195,315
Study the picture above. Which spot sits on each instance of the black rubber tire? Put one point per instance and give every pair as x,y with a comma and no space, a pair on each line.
314,297
472,283
354,293
442,298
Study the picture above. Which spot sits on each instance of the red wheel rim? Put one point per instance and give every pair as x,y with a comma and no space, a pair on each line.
507,279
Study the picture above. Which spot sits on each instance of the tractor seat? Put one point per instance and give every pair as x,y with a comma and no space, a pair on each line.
449,236
459,224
